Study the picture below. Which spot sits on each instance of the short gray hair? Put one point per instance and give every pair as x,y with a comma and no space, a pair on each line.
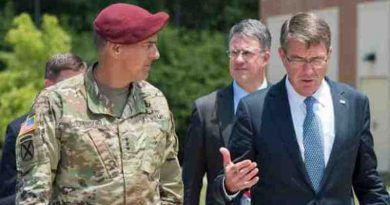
252,28
307,28
63,61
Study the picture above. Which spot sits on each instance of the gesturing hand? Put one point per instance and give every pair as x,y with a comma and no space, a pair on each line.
238,176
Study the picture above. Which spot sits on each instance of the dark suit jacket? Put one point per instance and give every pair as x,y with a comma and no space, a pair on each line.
265,134
8,163
210,128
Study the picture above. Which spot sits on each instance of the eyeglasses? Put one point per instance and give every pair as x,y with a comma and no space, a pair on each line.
315,62
245,53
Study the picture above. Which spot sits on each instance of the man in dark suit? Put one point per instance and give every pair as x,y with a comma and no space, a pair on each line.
7,164
212,116
58,68
309,136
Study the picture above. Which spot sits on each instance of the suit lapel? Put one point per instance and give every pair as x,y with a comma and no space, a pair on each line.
280,111
225,112
340,106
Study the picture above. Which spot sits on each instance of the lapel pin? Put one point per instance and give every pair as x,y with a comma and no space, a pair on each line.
342,101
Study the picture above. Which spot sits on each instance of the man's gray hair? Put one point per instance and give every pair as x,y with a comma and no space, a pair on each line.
307,28
63,61
252,28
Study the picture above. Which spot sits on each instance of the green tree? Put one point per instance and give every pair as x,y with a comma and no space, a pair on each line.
201,14
191,64
6,16
30,49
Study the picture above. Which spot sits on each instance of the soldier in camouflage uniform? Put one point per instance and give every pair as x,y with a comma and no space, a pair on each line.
59,67
106,137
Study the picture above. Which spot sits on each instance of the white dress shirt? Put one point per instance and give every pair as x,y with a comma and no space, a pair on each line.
323,108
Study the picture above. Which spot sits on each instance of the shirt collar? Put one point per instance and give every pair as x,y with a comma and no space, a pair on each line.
321,95
239,92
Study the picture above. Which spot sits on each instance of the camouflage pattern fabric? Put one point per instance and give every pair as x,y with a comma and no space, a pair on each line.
73,150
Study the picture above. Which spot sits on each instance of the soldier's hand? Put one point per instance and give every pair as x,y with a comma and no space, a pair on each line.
238,176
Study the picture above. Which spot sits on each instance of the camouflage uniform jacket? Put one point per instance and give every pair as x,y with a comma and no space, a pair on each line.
74,151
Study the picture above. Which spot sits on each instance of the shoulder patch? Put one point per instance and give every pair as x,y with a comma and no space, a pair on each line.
27,148
29,125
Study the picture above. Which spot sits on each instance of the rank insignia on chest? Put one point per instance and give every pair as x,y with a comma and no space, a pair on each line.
29,125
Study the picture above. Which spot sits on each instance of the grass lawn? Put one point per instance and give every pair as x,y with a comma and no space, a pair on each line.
203,192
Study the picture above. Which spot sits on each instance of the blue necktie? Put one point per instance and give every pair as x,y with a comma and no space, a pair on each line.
312,141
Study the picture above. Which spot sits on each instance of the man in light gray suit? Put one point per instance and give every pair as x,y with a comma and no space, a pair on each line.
212,116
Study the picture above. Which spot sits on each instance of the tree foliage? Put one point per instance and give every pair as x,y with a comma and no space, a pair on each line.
191,64
217,15
6,16
201,14
30,49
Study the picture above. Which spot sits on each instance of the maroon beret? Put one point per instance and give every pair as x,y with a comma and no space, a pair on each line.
128,24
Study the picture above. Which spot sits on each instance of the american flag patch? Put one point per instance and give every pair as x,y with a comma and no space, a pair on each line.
28,125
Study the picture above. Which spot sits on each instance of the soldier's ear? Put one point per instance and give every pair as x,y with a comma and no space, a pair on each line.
116,48
113,49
